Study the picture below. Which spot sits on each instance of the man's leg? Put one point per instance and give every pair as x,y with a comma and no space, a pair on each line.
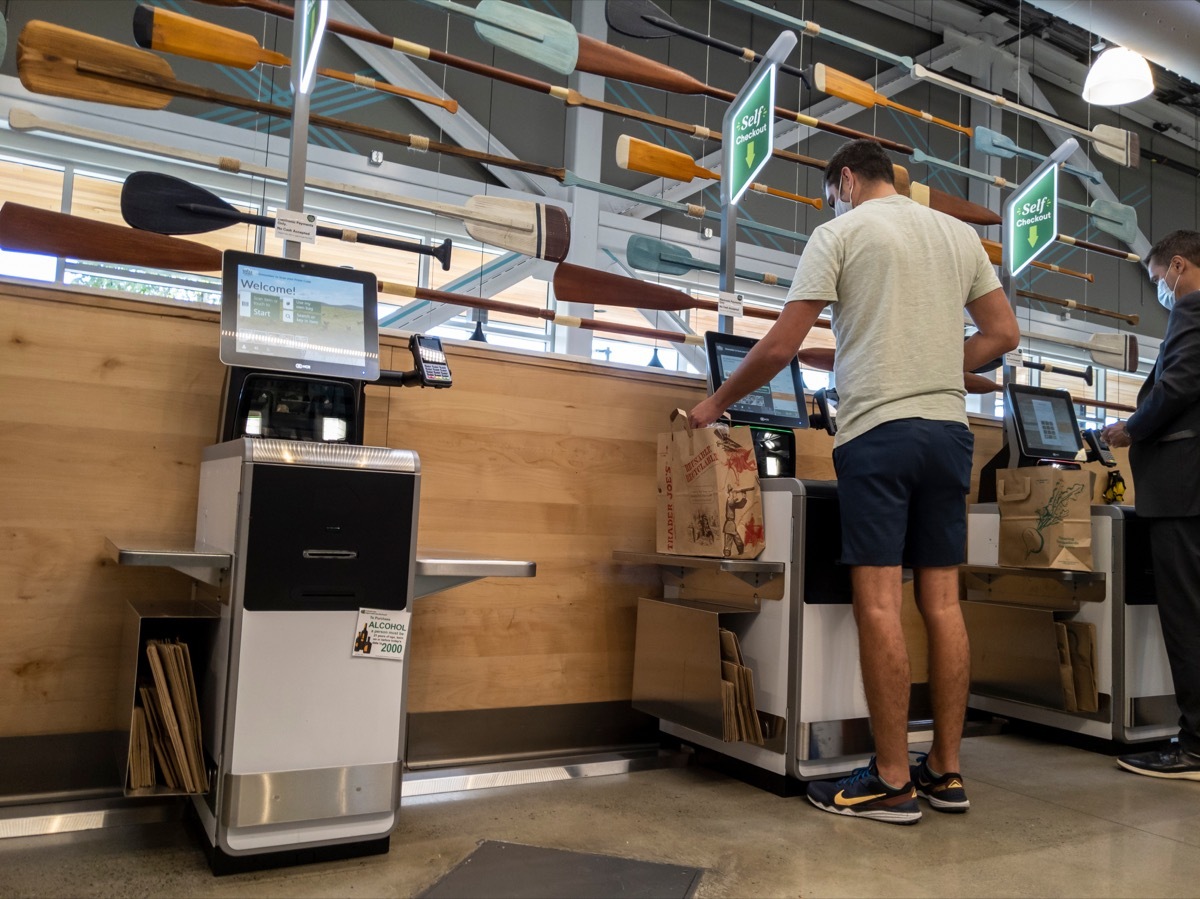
937,593
1176,549
885,668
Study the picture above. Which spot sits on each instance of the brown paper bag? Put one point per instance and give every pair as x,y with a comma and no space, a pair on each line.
1045,517
709,499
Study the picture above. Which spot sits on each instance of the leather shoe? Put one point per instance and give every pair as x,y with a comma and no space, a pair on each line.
1174,762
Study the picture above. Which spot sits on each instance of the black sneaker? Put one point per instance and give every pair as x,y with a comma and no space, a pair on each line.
1175,763
864,795
944,793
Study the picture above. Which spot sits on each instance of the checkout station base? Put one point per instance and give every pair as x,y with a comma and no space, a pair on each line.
303,735
1011,616
791,611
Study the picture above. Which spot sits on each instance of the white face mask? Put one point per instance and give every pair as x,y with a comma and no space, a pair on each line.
840,206
1166,293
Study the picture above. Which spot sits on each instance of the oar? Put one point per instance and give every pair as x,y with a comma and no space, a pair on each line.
996,255
544,38
1119,351
1098,248
854,90
164,204
66,63
170,32
652,255
993,143
1072,304
641,18
24,229
1112,218
535,229
1112,143
1085,374
634,154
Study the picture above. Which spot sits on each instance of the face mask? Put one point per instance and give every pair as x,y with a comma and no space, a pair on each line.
840,206
1166,293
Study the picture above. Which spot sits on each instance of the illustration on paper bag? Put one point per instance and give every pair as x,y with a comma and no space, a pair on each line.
1053,512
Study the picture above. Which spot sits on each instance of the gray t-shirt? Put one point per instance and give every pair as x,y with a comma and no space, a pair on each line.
898,276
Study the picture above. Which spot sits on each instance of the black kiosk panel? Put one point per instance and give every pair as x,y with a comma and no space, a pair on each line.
1044,423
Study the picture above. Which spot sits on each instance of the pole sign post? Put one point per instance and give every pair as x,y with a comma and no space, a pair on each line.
749,129
1033,222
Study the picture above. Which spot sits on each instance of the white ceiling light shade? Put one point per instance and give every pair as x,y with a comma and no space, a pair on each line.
1118,76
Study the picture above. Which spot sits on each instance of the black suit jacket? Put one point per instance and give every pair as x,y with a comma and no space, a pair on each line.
1165,454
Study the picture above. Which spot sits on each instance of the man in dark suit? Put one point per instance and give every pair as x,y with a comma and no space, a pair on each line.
1163,437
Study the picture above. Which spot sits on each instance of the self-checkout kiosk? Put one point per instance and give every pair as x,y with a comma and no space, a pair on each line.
790,609
1017,618
309,539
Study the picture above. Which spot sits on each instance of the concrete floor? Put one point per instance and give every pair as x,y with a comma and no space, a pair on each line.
1046,820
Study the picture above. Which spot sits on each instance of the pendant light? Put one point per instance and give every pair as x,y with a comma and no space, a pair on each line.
1118,76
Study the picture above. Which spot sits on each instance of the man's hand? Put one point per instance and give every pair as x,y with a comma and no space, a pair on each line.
704,413
1117,435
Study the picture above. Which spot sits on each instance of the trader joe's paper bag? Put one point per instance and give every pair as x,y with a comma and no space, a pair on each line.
1045,517
709,499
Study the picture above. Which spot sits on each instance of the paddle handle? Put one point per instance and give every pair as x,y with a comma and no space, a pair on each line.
814,202
1072,304
842,130
924,116
745,53
1083,373
996,256
1099,248
570,321
450,105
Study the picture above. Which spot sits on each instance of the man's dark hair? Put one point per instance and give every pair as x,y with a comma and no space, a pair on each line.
863,157
1177,243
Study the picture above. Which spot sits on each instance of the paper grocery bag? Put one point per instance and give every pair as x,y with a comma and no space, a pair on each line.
709,498
1045,517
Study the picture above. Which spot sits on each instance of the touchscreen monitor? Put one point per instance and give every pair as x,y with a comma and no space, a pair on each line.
777,404
288,315
1043,422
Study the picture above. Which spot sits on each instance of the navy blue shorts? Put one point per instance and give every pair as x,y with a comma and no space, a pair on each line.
902,489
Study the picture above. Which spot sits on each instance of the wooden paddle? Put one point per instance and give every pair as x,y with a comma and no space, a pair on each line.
652,255
993,143
164,204
996,255
1085,374
1099,248
535,229
170,32
644,19
544,38
1072,304
634,154
1119,351
66,63
846,87
595,56
25,229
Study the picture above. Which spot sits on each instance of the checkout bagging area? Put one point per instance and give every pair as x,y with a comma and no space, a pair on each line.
1066,637
305,567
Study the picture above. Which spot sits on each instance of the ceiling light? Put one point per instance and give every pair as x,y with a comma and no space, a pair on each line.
1118,76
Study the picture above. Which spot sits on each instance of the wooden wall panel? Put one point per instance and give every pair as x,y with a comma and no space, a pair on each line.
109,404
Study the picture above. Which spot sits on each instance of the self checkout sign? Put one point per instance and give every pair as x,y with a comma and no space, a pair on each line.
1032,220
748,143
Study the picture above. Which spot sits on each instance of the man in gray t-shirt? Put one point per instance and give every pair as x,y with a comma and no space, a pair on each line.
898,276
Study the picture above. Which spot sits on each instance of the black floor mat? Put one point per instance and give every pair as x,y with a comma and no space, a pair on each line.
498,870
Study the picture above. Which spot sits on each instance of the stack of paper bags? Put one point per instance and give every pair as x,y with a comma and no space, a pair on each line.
172,717
737,694
141,766
1077,665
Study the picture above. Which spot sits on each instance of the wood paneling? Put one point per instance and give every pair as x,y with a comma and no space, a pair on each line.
109,404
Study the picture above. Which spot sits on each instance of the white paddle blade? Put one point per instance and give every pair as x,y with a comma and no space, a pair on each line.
1121,146
544,39
534,229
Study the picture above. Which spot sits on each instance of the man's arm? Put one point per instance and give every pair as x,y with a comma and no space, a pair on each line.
769,355
998,331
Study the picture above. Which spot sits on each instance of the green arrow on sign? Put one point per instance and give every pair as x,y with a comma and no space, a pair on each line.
750,156
1033,236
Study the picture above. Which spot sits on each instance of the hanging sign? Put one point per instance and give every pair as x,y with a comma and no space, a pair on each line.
1031,220
747,145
